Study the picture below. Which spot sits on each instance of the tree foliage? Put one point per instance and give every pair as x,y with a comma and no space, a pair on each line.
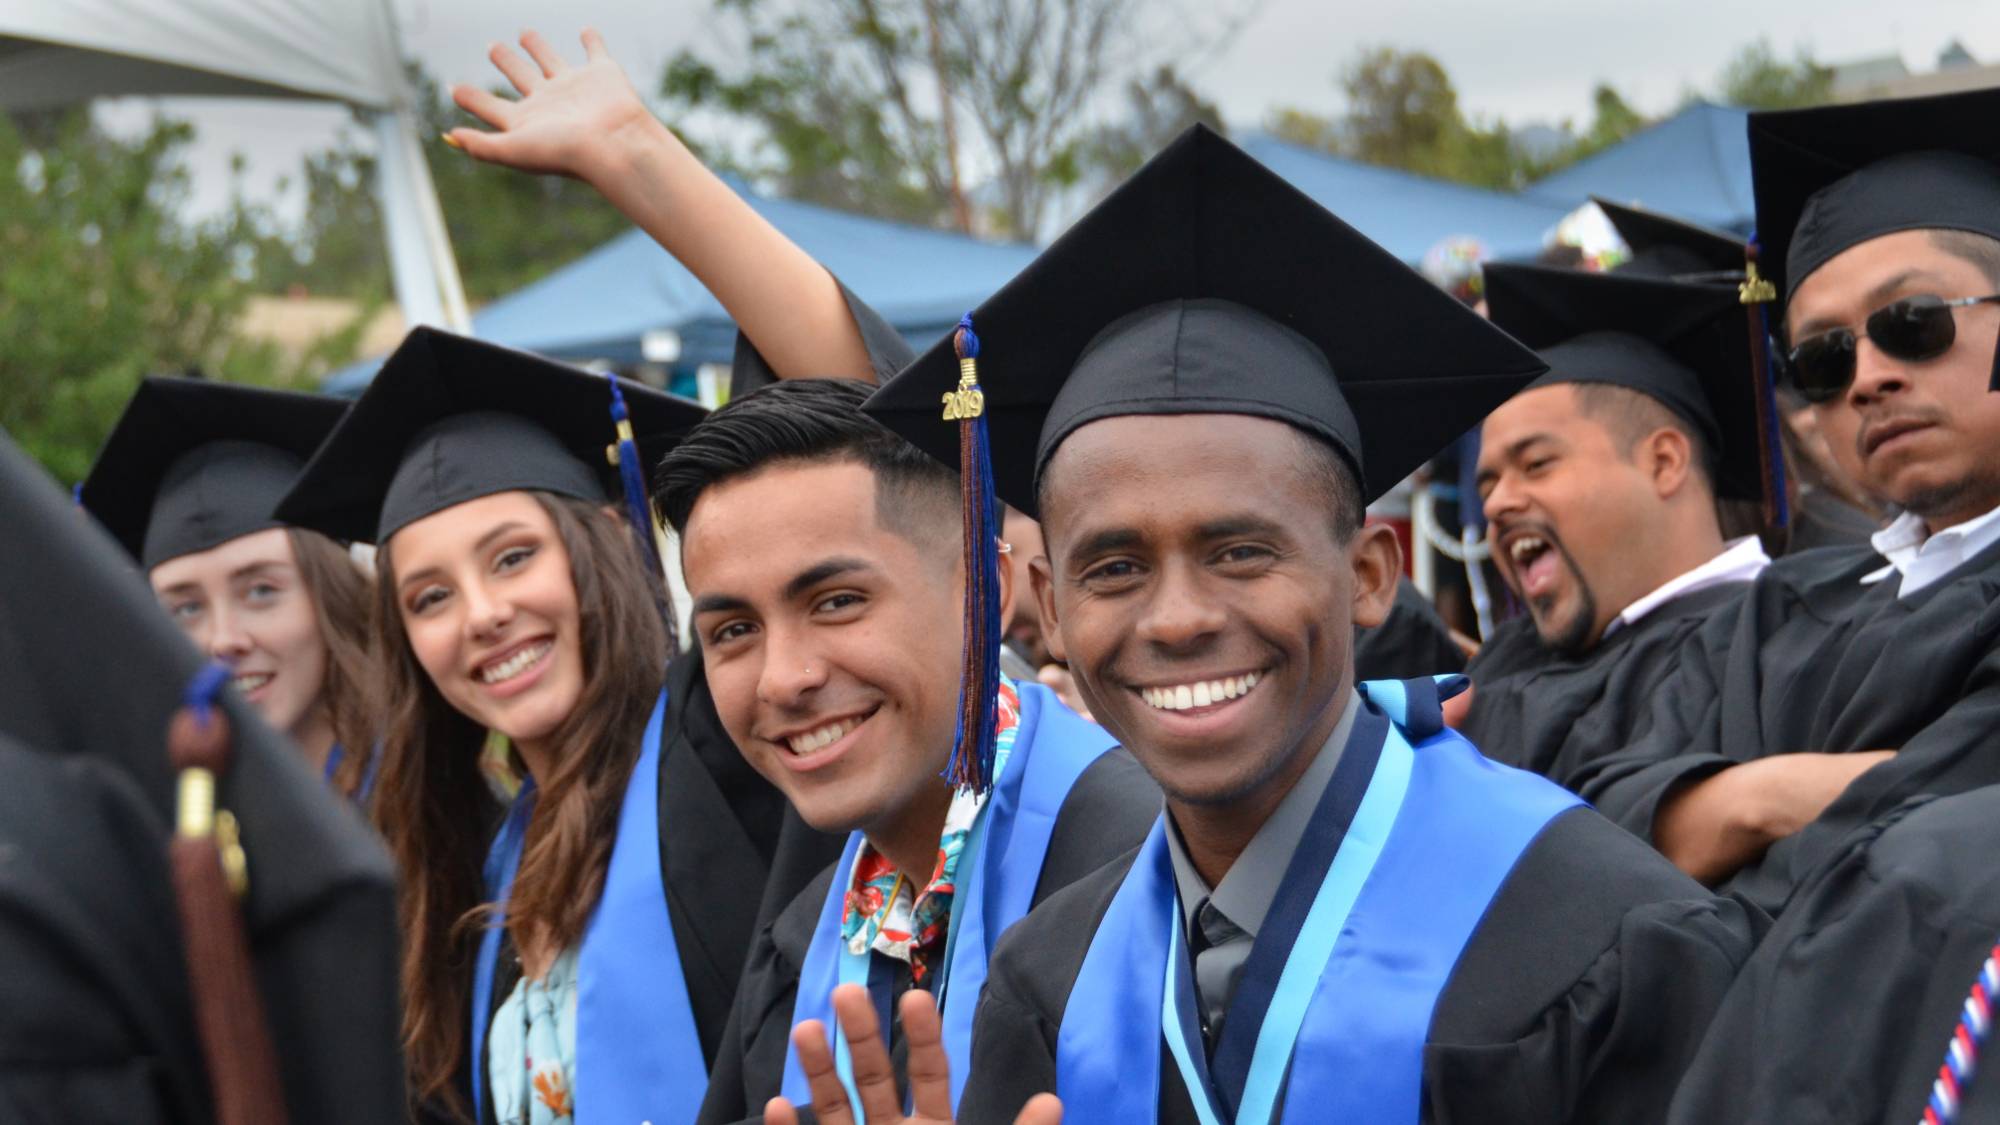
884,106
102,281
1756,78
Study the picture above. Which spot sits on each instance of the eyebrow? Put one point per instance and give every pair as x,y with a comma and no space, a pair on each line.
800,584
1874,298
1513,450
479,545
257,568
1230,526
1109,539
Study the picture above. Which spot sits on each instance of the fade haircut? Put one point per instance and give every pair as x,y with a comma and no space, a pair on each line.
809,422
1630,416
1978,249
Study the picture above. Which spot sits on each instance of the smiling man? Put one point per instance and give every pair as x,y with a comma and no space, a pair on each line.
1600,484
1345,913
1852,678
823,553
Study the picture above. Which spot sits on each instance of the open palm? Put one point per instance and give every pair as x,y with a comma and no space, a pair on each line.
875,1075
567,118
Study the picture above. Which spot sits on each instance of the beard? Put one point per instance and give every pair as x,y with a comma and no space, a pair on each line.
1573,639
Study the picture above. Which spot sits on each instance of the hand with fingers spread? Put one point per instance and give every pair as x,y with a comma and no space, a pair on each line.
875,1075
568,120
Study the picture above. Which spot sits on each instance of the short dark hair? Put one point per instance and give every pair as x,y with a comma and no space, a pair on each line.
1629,416
1329,470
1977,249
811,421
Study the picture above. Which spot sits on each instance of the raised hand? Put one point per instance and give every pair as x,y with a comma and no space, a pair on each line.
568,120
875,1075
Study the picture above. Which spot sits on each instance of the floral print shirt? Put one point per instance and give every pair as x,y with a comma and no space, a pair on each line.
885,910
531,1050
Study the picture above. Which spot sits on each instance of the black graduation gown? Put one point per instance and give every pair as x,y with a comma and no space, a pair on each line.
1846,1009
1580,996
1412,642
733,852
1550,713
96,1023
1813,660
1106,814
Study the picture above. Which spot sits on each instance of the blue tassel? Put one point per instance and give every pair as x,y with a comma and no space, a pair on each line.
971,764
204,688
1757,295
638,508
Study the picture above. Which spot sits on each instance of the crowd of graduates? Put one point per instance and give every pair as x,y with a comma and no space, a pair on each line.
1048,734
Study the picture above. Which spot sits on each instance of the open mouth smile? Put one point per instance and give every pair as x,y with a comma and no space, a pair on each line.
1200,693
515,663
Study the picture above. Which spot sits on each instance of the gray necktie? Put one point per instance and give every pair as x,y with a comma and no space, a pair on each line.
1221,948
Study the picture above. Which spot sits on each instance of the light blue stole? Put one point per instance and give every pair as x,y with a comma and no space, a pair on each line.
997,875
1330,1017
638,1057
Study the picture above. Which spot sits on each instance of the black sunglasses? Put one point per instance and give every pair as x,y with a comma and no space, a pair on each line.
1914,328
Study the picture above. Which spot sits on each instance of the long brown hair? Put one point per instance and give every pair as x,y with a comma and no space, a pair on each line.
432,807
339,591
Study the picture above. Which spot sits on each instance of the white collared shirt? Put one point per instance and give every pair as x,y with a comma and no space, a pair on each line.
1741,560
1923,558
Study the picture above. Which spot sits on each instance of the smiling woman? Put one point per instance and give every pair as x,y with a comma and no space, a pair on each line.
188,482
512,597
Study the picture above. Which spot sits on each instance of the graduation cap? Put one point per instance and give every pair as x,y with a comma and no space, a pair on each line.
450,419
192,464
1205,284
1685,345
94,672
1665,247
1830,178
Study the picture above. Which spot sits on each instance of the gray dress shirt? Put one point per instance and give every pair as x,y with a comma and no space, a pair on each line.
1222,923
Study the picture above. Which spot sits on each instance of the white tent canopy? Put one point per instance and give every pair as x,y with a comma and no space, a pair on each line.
56,52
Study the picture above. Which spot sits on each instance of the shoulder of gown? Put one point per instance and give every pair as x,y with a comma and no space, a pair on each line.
1587,986
1845,1011
888,351
1106,815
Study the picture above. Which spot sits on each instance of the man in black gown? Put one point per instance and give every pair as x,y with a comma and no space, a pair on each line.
1848,1008
1200,467
1849,679
1600,484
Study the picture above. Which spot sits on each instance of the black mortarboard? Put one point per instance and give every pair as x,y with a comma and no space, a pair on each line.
1207,284
450,419
192,464
94,670
1830,178
1685,345
1666,247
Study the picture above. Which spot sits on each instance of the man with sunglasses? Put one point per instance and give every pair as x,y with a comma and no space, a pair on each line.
1850,679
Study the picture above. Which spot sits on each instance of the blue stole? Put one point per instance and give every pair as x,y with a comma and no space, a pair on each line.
367,786
1414,836
638,1057
997,875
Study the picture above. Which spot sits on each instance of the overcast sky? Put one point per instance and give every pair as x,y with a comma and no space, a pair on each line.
1524,61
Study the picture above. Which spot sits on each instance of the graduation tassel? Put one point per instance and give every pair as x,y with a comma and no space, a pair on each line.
971,765
1756,294
210,877
638,508
1961,1057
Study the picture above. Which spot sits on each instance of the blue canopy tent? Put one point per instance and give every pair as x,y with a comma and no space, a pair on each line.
602,306
1407,214
1694,165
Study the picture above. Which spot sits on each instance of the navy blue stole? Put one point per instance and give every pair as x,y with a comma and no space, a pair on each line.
638,1057
1406,849
361,793
997,875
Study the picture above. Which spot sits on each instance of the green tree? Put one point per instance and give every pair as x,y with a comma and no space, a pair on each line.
1756,78
102,280
1159,107
886,106
1403,112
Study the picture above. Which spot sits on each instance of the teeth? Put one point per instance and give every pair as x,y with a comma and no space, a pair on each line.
249,682
1526,546
516,664
1183,697
820,739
